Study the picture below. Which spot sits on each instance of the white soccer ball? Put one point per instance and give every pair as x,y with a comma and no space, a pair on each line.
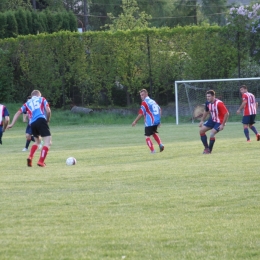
71,161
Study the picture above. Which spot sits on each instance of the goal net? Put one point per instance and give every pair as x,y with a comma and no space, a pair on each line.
190,96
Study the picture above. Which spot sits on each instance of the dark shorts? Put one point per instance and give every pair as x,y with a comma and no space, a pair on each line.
248,120
211,124
150,130
28,130
40,127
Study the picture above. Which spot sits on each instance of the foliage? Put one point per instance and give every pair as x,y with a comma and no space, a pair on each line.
244,24
14,5
73,68
23,22
6,77
214,11
130,18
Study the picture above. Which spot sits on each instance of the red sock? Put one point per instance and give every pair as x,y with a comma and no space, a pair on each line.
44,152
149,143
157,138
33,150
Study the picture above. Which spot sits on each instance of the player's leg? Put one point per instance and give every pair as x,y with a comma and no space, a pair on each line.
34,147
246,132
29,137
213,132
46,136
252,127
148,132
203,137
246,122
158,139
1,134
212,138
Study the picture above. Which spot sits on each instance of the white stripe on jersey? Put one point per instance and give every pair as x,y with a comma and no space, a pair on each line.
250,108
213,108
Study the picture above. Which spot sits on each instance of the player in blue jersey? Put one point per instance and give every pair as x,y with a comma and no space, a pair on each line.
39,114
151,112
4,120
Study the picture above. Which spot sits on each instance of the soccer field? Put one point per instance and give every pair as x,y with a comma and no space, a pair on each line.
121,202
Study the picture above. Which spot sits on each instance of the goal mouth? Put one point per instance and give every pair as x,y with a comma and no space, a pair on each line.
190,96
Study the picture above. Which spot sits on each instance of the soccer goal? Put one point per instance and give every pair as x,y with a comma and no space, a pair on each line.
190,96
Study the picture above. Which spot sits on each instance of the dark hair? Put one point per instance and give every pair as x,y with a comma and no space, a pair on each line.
211,92
244,87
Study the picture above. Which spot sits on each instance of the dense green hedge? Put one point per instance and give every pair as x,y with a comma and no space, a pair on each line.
105,68
23,22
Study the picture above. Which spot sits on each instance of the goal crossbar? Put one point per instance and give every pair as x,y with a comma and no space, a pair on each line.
202,80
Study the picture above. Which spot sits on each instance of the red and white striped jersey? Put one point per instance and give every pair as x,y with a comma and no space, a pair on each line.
250,107
217,110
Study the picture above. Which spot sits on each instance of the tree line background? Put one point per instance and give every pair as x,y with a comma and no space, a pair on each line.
108,66
95,14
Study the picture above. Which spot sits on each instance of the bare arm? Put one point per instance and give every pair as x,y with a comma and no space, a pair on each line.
48,111
205,114
17,114
221,127
137,119
6,122
241,107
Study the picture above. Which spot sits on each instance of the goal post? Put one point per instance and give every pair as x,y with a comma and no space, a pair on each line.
190,95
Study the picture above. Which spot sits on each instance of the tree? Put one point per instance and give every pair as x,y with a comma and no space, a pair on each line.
244,29
11,28
130,18
185,12
161,11
15,4
214,11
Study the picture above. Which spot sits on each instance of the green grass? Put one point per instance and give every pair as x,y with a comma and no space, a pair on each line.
121,202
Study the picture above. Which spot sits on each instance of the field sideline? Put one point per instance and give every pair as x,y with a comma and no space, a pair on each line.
121,202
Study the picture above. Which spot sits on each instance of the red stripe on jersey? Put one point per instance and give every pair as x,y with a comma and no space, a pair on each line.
147,111
250,107
217,111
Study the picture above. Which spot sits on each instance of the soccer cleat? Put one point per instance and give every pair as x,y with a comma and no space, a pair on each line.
0,140
248,141
41,164
258,137
24,150
29,162
40,145
153,151
161,147
206,151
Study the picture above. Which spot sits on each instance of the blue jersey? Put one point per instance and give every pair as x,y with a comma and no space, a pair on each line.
35,108
3,113
151,112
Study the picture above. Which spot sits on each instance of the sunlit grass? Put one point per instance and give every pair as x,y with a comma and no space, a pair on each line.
121,202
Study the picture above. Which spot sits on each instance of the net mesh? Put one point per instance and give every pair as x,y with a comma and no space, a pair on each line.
192,96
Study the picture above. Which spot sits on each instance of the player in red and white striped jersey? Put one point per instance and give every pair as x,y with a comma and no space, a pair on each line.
216,122
249,106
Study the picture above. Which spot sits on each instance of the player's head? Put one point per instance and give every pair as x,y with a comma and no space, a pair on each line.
36,93
243,89
143,93
210,94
